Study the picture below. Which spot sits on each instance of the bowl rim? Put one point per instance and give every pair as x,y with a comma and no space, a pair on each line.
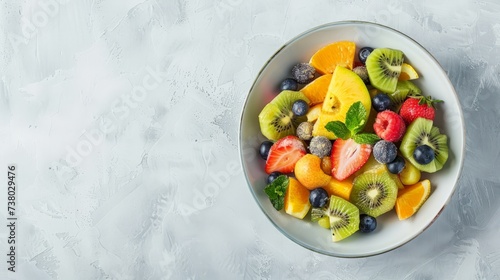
243,110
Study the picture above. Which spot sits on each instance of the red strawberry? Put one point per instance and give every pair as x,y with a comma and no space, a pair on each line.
418,107
348,157
284,154
389,126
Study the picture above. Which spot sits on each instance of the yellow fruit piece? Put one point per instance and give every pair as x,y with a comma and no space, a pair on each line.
345,89
411,198
316,90
319,126
407,73
410,174
326,59
324,222
309,173
297,199
314,112
370,165
340,188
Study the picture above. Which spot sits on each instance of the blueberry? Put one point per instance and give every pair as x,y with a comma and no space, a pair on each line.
423,154
304,131
397,165
273,176
320,146
264,149
385,151
303,73
367,223
300,107
318,197
381,102
364,53
289,84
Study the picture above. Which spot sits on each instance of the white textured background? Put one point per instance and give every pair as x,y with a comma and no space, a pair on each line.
122,118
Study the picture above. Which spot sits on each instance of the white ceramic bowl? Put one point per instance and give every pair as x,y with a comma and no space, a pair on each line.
390,233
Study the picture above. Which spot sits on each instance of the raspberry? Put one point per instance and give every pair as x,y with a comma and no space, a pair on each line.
389,126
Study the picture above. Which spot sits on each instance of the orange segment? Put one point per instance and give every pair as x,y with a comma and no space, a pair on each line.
411,198
340,188
309,173
316,90
328,57
407,73
296,199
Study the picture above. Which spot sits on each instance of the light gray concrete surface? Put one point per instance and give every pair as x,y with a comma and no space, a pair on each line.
121,117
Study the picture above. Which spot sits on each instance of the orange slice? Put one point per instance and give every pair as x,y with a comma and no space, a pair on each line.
340,188
316,90
309,173
411,198
296,199
407,73
328,57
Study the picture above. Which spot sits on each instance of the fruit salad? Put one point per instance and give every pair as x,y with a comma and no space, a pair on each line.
350,136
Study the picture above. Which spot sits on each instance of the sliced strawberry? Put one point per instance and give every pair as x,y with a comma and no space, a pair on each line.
389,126
284,154
348,157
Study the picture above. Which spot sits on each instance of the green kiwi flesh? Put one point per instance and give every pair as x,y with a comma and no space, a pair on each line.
422,132
403,90
374,193
343,215
277,119
318,213
384,67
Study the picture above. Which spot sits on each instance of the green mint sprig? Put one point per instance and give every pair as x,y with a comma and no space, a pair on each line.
276,191
355,121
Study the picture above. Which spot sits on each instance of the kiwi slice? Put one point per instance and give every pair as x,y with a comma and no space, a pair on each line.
374,193
403,90
343,217
372,165
277,119
318,213
422,132
384,67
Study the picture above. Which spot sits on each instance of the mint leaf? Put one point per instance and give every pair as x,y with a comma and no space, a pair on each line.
339,129
276,191
365,138
356,117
